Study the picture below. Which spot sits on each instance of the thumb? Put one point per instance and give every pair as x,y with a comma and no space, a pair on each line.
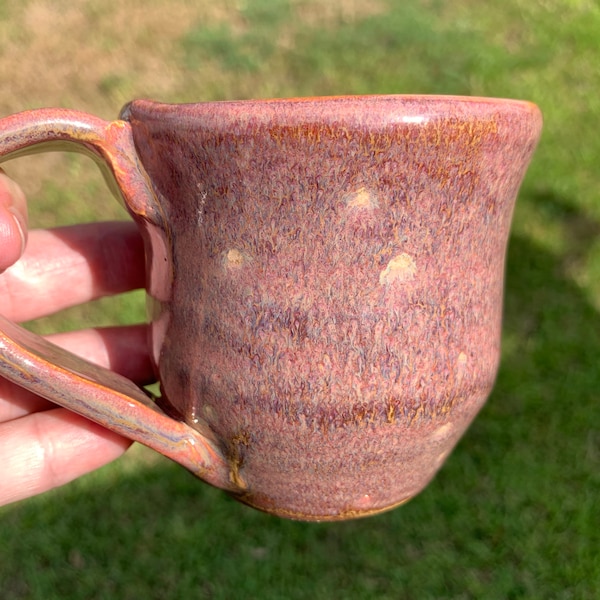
13,221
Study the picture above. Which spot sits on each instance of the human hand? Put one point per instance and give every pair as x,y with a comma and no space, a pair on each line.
43,446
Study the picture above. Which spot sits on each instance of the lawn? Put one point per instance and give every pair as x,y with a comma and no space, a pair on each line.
514,512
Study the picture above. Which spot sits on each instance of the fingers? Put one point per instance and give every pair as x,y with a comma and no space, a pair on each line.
70,265
121,349
62,267
42,446
13,221
48,449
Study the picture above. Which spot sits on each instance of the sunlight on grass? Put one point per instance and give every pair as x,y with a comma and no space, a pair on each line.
513,514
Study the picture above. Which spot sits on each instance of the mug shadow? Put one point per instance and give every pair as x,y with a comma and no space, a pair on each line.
512,510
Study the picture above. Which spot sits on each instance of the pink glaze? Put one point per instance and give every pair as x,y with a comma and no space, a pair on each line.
325,285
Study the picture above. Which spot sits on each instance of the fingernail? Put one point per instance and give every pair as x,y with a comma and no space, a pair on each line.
21,225
16,205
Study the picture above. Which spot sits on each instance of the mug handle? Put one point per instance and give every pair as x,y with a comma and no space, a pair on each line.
32,362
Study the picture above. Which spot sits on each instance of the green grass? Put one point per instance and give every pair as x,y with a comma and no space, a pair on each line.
514,512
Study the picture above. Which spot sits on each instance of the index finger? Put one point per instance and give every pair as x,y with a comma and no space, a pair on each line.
71,265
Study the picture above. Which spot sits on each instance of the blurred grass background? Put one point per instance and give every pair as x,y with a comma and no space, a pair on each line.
514,513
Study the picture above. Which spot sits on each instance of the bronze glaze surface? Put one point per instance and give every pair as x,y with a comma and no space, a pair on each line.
326,284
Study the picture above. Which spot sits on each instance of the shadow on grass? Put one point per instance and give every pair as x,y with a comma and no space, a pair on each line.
512,514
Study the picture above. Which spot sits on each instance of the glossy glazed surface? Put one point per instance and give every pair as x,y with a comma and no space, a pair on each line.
326,284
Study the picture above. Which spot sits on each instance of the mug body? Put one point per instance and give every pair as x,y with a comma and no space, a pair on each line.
325,284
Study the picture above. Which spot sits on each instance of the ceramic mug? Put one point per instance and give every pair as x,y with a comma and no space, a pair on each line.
324,282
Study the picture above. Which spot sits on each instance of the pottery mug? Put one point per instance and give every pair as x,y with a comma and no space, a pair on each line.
324,284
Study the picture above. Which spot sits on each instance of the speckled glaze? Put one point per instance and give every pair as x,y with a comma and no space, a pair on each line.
325,285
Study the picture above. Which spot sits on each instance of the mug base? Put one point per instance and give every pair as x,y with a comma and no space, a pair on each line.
342,515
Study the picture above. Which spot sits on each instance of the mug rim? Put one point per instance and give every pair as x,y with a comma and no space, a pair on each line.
376,108
362,98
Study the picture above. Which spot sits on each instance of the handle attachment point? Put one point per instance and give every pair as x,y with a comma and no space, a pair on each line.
45,369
